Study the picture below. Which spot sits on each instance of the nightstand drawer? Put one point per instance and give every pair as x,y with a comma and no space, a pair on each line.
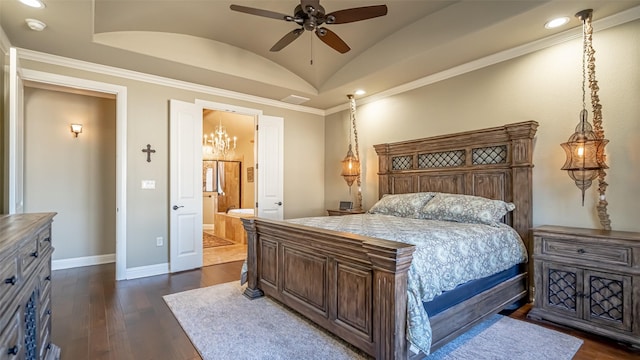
577,249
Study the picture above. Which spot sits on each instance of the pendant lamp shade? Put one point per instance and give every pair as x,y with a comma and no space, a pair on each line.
582,150
350,167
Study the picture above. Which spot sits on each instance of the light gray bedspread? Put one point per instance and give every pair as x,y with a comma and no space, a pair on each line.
447,254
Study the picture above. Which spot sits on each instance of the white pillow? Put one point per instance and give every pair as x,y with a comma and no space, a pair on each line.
466,208
402,205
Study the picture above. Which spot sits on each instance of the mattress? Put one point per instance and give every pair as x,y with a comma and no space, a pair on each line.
467,290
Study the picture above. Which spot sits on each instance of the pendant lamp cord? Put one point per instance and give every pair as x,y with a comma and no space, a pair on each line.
352,111
589,55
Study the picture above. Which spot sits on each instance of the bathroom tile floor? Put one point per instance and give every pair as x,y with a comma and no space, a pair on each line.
223,254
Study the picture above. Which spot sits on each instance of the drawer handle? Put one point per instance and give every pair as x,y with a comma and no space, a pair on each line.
12,280
47,239
581,251
49,312
48,278
13,350
34,254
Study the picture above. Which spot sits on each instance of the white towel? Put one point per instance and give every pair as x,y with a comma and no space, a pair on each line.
208,184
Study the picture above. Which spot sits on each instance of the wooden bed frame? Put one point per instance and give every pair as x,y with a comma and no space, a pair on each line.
356,286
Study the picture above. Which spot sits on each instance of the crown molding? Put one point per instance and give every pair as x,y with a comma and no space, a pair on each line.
158,80
573,34
598,25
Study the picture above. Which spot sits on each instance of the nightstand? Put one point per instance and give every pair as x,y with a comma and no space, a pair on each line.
335,212
588,279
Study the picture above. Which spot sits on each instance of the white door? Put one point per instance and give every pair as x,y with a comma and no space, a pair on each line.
16,137
185,188
270,167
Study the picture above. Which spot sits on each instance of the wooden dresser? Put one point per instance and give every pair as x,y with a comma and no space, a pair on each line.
25,287
588,279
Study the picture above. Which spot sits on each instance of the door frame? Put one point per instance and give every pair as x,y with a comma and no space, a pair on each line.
256,113
120,93
15,149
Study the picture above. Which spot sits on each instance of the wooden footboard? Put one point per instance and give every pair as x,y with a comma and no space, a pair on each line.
353,286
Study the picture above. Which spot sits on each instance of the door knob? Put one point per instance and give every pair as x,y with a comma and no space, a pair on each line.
279,203
176,207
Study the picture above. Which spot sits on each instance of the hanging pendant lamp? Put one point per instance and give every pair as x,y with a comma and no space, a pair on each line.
351,163
584,150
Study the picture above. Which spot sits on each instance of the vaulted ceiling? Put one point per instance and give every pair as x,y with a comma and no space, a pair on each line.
204,42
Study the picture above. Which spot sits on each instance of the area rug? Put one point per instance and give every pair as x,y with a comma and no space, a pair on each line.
501,337
210,240
223,324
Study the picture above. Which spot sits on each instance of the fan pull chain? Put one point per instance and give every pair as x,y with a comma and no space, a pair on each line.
311,50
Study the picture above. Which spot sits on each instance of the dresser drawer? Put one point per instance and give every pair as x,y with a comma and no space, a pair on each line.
44,239
9,283
11,339
29,255
588,251
45,283
45,337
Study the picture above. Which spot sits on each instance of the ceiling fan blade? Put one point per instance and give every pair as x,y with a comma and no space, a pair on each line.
330,38
286,40
356,14
261,12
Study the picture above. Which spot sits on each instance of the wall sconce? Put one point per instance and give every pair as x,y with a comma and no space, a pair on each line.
76,129
586,160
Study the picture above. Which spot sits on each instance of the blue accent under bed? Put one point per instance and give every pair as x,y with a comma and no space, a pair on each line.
467,290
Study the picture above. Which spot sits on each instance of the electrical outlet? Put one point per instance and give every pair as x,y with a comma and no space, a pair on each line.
159,241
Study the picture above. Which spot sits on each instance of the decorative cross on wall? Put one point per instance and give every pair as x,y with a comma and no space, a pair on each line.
148,150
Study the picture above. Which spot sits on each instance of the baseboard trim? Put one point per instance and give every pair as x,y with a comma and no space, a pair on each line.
149,270
132,273
82,261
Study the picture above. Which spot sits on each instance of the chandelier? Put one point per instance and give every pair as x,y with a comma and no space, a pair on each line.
219,144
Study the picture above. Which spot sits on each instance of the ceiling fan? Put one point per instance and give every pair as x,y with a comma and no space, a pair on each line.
310,15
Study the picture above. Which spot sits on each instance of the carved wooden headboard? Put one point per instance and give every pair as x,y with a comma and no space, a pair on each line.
495,163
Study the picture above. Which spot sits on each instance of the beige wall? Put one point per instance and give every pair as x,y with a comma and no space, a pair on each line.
72,176
544,86
148,123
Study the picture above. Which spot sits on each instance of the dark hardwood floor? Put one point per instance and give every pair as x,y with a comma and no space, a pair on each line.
95,317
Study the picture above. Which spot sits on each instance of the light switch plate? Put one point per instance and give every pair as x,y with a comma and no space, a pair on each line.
148,184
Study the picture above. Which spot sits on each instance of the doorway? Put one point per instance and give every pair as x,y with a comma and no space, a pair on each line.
186,175
228,189
43,79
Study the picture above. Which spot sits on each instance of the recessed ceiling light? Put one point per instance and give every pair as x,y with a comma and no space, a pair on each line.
359,92
35,25
557,22
33,3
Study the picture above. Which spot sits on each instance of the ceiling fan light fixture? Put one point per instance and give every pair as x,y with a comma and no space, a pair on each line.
310,15
557,22
33,3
